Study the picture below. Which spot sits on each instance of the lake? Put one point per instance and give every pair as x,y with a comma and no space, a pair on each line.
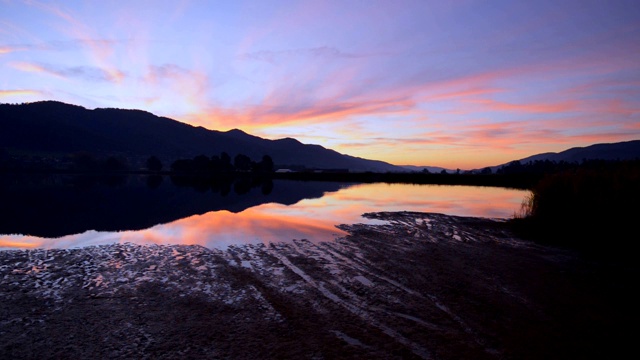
69,212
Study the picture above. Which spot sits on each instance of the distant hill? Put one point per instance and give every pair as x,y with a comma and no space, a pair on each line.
431,169
627,150
51,128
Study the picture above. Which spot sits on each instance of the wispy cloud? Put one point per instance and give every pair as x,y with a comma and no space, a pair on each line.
184,89
10,49
100,49
87,73
526,108
273,57
28,67
260,116
168,72
19,93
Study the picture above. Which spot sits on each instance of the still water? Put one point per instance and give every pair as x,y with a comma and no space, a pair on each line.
67,215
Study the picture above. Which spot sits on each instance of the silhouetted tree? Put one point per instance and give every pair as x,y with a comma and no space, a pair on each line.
486,171
225,160
201,164
242,162
4,159
182,165
216,164
84,161
514,167
154,164
115,163
266,164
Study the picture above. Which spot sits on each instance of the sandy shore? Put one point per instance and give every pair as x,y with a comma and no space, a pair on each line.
420,286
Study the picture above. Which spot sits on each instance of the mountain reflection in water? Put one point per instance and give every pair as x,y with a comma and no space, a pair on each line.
62,212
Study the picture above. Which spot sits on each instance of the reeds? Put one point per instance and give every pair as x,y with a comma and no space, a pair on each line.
589,206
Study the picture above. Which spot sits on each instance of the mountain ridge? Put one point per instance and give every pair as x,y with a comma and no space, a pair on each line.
59,128
624,150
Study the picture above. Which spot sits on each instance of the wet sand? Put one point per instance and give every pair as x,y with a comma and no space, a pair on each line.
419,286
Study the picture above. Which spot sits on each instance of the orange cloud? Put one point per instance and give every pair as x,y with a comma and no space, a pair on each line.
263,116
490,143
83,72
349,98
8,49
10,93
279,106
33,68
28,67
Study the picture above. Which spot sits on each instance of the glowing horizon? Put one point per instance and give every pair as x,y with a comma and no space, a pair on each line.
457,85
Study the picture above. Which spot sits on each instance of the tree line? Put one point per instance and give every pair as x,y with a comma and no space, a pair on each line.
86,162
215,164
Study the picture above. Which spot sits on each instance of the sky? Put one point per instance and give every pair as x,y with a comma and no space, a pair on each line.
457,84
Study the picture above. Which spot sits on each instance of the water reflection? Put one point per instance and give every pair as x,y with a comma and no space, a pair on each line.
285,214
56,206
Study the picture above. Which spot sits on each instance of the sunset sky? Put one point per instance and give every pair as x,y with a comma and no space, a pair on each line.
457,84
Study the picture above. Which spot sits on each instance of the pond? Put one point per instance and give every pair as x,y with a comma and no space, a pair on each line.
56,212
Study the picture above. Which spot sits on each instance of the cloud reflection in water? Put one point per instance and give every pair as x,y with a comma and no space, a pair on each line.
312,219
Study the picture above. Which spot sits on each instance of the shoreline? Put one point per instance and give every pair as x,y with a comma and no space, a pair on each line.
419,286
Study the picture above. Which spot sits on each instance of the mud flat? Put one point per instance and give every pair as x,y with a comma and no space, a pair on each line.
419,285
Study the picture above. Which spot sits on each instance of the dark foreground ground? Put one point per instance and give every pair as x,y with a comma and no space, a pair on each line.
421,286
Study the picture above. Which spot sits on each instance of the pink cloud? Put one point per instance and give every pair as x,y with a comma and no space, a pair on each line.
459,94
10,49
84,72
100,50
19,93
557,107
28,67
262,116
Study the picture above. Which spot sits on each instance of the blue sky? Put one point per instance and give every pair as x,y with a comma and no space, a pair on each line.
460,84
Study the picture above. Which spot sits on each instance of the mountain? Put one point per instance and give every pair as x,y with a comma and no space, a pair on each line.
51,128
627,150
431,169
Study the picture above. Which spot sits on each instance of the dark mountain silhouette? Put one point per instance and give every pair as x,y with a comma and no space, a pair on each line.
626,150
53,128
